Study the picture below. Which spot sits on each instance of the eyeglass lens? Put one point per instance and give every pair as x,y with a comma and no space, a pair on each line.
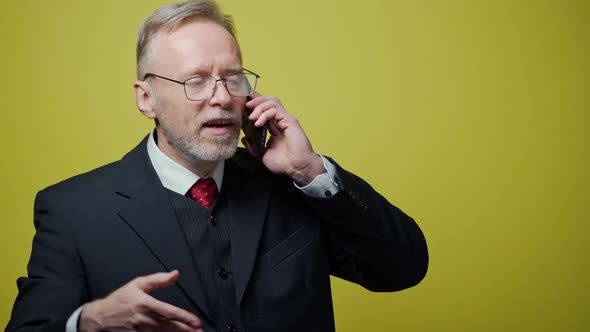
238,85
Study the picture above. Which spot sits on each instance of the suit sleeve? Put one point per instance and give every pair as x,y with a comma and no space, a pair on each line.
371,242
55,286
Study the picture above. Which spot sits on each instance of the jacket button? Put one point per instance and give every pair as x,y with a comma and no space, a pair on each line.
232,328
328,193
213,220
222,273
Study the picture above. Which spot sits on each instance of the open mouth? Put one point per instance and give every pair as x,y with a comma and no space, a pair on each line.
219,126
218,123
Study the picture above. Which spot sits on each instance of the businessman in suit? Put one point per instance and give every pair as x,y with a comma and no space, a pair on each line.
187,232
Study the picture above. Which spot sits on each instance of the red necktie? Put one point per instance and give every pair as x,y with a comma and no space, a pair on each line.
204,191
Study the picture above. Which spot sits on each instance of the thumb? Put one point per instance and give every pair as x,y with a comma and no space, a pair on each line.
157,280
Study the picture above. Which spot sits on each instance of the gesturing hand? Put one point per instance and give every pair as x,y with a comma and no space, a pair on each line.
288,150
130,308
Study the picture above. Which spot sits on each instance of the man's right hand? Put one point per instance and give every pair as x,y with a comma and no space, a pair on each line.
130,308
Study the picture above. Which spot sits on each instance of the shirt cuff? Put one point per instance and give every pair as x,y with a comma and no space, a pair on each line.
72,323
324,185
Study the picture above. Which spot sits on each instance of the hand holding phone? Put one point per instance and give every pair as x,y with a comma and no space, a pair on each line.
256,136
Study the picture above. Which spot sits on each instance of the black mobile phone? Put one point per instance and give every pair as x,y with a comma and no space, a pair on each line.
256,136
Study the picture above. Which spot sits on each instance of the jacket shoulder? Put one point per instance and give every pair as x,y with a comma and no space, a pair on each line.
93,180
105,177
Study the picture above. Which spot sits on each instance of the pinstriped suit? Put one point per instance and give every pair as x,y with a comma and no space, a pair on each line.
99,230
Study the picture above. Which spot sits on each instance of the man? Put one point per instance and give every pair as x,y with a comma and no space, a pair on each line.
186,234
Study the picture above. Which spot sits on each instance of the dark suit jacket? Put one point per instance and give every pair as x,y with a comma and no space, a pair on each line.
99,230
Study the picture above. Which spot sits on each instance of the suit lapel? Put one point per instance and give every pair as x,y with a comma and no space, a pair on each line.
248,195
149,214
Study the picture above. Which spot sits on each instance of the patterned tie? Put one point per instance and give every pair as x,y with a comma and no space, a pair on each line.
204,191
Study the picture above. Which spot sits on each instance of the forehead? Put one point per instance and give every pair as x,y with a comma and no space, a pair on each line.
196,47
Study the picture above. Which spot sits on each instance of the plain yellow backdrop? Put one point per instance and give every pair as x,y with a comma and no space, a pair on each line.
471,116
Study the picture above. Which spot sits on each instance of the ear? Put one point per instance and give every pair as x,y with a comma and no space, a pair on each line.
144,99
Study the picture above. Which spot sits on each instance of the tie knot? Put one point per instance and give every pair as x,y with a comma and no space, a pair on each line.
204,191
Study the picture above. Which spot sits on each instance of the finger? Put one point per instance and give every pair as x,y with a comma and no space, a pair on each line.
273,128
280,119
171,312
255,99
157,280
143,322
265,112
255,94
175,326
264,104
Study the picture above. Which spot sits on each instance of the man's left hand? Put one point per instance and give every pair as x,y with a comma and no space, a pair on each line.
288,150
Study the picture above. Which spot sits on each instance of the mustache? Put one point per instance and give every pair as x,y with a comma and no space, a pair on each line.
222,114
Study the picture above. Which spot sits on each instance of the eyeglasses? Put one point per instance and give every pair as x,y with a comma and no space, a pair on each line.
203,87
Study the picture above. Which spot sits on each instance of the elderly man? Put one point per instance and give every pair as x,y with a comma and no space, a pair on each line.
188,233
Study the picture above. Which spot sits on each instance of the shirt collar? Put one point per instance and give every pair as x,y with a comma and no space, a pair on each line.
174,176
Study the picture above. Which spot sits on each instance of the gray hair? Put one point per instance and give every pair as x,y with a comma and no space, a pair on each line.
171,17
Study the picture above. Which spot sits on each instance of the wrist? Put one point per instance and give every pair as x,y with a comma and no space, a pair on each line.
88,322
305,175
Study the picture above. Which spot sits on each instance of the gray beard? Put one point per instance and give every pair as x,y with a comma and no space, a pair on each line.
210,149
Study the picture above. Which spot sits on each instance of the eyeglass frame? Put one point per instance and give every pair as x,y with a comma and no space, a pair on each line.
214,86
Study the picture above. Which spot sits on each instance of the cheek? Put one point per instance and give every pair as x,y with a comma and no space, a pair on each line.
184,114
238,105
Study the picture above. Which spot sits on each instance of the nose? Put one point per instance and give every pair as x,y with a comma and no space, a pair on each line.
221,96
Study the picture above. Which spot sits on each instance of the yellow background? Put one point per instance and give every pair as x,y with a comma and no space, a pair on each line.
471,116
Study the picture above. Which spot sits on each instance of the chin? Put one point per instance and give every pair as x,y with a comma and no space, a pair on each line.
214,150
